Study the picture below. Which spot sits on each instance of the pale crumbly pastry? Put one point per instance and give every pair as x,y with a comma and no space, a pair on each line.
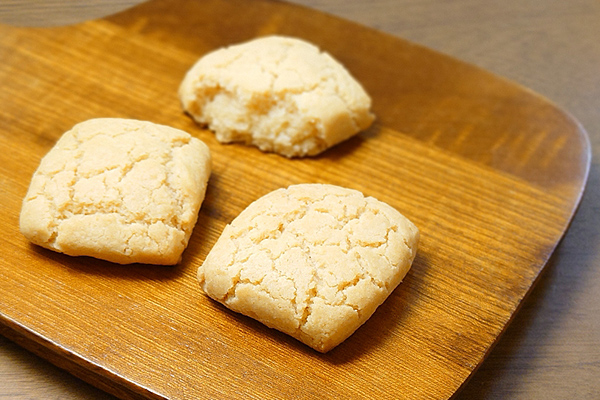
121,190
313,261
278,93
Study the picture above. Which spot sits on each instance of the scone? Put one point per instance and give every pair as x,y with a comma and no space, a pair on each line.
120,190
313,261
280,94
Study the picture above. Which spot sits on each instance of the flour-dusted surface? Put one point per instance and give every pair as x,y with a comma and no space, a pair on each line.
278,93
313,261
121,190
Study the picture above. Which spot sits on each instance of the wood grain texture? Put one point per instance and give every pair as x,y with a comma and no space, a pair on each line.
469,231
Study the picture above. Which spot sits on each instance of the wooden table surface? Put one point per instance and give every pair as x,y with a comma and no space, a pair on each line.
552,347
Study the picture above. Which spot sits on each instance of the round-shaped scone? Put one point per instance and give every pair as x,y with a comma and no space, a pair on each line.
313,261
120,190
280,94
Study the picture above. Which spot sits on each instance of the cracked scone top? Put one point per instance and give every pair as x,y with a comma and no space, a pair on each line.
313,261
278,93
121,190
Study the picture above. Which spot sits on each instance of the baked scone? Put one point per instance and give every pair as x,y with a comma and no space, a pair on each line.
121,190
313,261
280,94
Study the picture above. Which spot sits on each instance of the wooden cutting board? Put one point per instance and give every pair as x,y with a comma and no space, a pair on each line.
489,171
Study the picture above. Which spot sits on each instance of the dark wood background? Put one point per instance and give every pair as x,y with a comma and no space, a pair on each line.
552,347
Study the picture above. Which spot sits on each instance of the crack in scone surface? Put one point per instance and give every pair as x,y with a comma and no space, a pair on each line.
293,253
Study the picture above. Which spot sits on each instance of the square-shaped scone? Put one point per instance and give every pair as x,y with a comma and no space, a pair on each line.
120,190
313,261
280,94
